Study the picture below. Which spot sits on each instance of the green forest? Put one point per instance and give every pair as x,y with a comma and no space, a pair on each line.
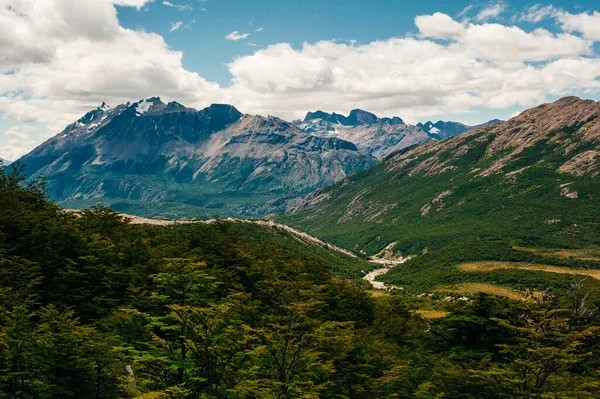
92,306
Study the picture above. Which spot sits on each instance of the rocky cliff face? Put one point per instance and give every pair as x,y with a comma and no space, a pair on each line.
372,135
533,179
379,136
167,159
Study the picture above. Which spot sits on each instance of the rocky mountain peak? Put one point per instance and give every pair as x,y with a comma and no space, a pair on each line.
395,120
206,162
151,105
174,106
317,115
358,116
355,118
219,115
566,112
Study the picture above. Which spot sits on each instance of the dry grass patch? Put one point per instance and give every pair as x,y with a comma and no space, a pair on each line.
489,266
378,293
589,254
432,314
474,288
581,254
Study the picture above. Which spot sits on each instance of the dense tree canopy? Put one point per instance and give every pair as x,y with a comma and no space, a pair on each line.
92,306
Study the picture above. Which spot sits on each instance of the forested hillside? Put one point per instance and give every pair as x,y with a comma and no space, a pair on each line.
92,306
522,195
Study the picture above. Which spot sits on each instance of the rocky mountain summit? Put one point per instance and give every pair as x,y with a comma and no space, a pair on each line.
167,159
533,178
371,134
378,136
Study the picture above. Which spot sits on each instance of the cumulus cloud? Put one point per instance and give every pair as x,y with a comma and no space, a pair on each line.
60,58
439,26
259,29
235,35
587,24
500,42
475,65
20,140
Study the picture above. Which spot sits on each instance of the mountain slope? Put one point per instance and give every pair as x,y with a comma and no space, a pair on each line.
153,158
531,181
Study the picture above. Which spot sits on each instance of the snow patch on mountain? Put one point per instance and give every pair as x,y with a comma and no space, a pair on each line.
142,107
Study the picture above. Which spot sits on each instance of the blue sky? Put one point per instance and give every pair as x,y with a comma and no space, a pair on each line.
451,60
297,21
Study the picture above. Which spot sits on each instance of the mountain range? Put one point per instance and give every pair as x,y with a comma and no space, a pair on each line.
530,180
215,161
378,136
162,159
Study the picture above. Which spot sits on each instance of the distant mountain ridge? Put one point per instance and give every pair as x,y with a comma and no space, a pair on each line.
356,117
378,136
162,159
443,130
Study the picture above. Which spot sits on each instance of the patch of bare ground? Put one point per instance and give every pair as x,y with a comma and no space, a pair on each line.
432,314
580,164
489,266
378,293
474,288
586,254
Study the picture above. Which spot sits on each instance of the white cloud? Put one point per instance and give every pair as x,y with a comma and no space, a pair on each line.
587,24
465,11
175,26
439,25
131,3
485,65
60,58
491,11
186,7
537,13
259,29
235,35
503,43
21,139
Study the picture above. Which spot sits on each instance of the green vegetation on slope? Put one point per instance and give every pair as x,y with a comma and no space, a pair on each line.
531,183
371,209
94,307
